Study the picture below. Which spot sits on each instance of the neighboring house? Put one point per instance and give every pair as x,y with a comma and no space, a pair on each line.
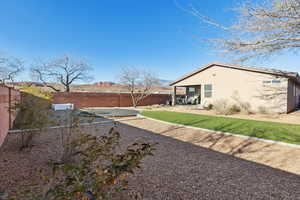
261,88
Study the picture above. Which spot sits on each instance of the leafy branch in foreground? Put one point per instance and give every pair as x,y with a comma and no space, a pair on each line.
97,169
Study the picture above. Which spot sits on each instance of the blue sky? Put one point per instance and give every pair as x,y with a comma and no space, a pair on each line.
110,34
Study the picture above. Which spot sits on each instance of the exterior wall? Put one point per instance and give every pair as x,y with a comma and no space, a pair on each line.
248,87
293,95
297,95
80,99
8,97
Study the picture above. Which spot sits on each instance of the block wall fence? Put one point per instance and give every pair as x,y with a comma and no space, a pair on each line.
81,99
8,98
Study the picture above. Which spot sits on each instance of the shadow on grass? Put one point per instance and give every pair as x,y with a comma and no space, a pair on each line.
218,139
267,130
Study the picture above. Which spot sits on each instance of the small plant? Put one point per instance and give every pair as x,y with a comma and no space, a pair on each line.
245,107
224,108
221,107
234,109
96,169
263,110
32,116
210,106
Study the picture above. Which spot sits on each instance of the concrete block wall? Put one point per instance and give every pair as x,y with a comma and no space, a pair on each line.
8,98
80,99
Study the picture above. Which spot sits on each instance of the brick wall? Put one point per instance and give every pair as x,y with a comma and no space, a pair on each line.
8,97
80,99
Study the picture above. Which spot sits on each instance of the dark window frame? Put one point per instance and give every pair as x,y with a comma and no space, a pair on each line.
276,81
208,90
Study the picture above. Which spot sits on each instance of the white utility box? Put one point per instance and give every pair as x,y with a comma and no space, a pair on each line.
67,106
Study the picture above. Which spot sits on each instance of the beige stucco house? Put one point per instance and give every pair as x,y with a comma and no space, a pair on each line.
261,88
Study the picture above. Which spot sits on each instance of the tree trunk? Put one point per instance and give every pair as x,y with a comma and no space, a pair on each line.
133,99
67,88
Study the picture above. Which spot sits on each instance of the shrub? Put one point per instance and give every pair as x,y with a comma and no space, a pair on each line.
41,97
234,109
221,107
245,107
224,108
263,110
209,107
91,167
32,116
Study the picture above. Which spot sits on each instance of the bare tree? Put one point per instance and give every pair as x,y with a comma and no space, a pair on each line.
9,69
63,70
260,30
138,82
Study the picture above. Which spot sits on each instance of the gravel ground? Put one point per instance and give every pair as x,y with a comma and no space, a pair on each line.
180,170
277,156
183,170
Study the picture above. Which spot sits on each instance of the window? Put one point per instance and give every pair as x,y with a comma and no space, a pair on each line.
208,90
272,81
266,81
191,89
276,81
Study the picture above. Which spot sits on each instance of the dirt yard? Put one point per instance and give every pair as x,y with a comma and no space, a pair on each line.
292,118
186,165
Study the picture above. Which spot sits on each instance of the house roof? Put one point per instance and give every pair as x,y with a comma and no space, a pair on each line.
293,75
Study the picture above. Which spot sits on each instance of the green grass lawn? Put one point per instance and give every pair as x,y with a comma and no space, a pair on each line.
283,132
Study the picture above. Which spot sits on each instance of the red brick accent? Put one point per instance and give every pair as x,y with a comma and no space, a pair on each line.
82,99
